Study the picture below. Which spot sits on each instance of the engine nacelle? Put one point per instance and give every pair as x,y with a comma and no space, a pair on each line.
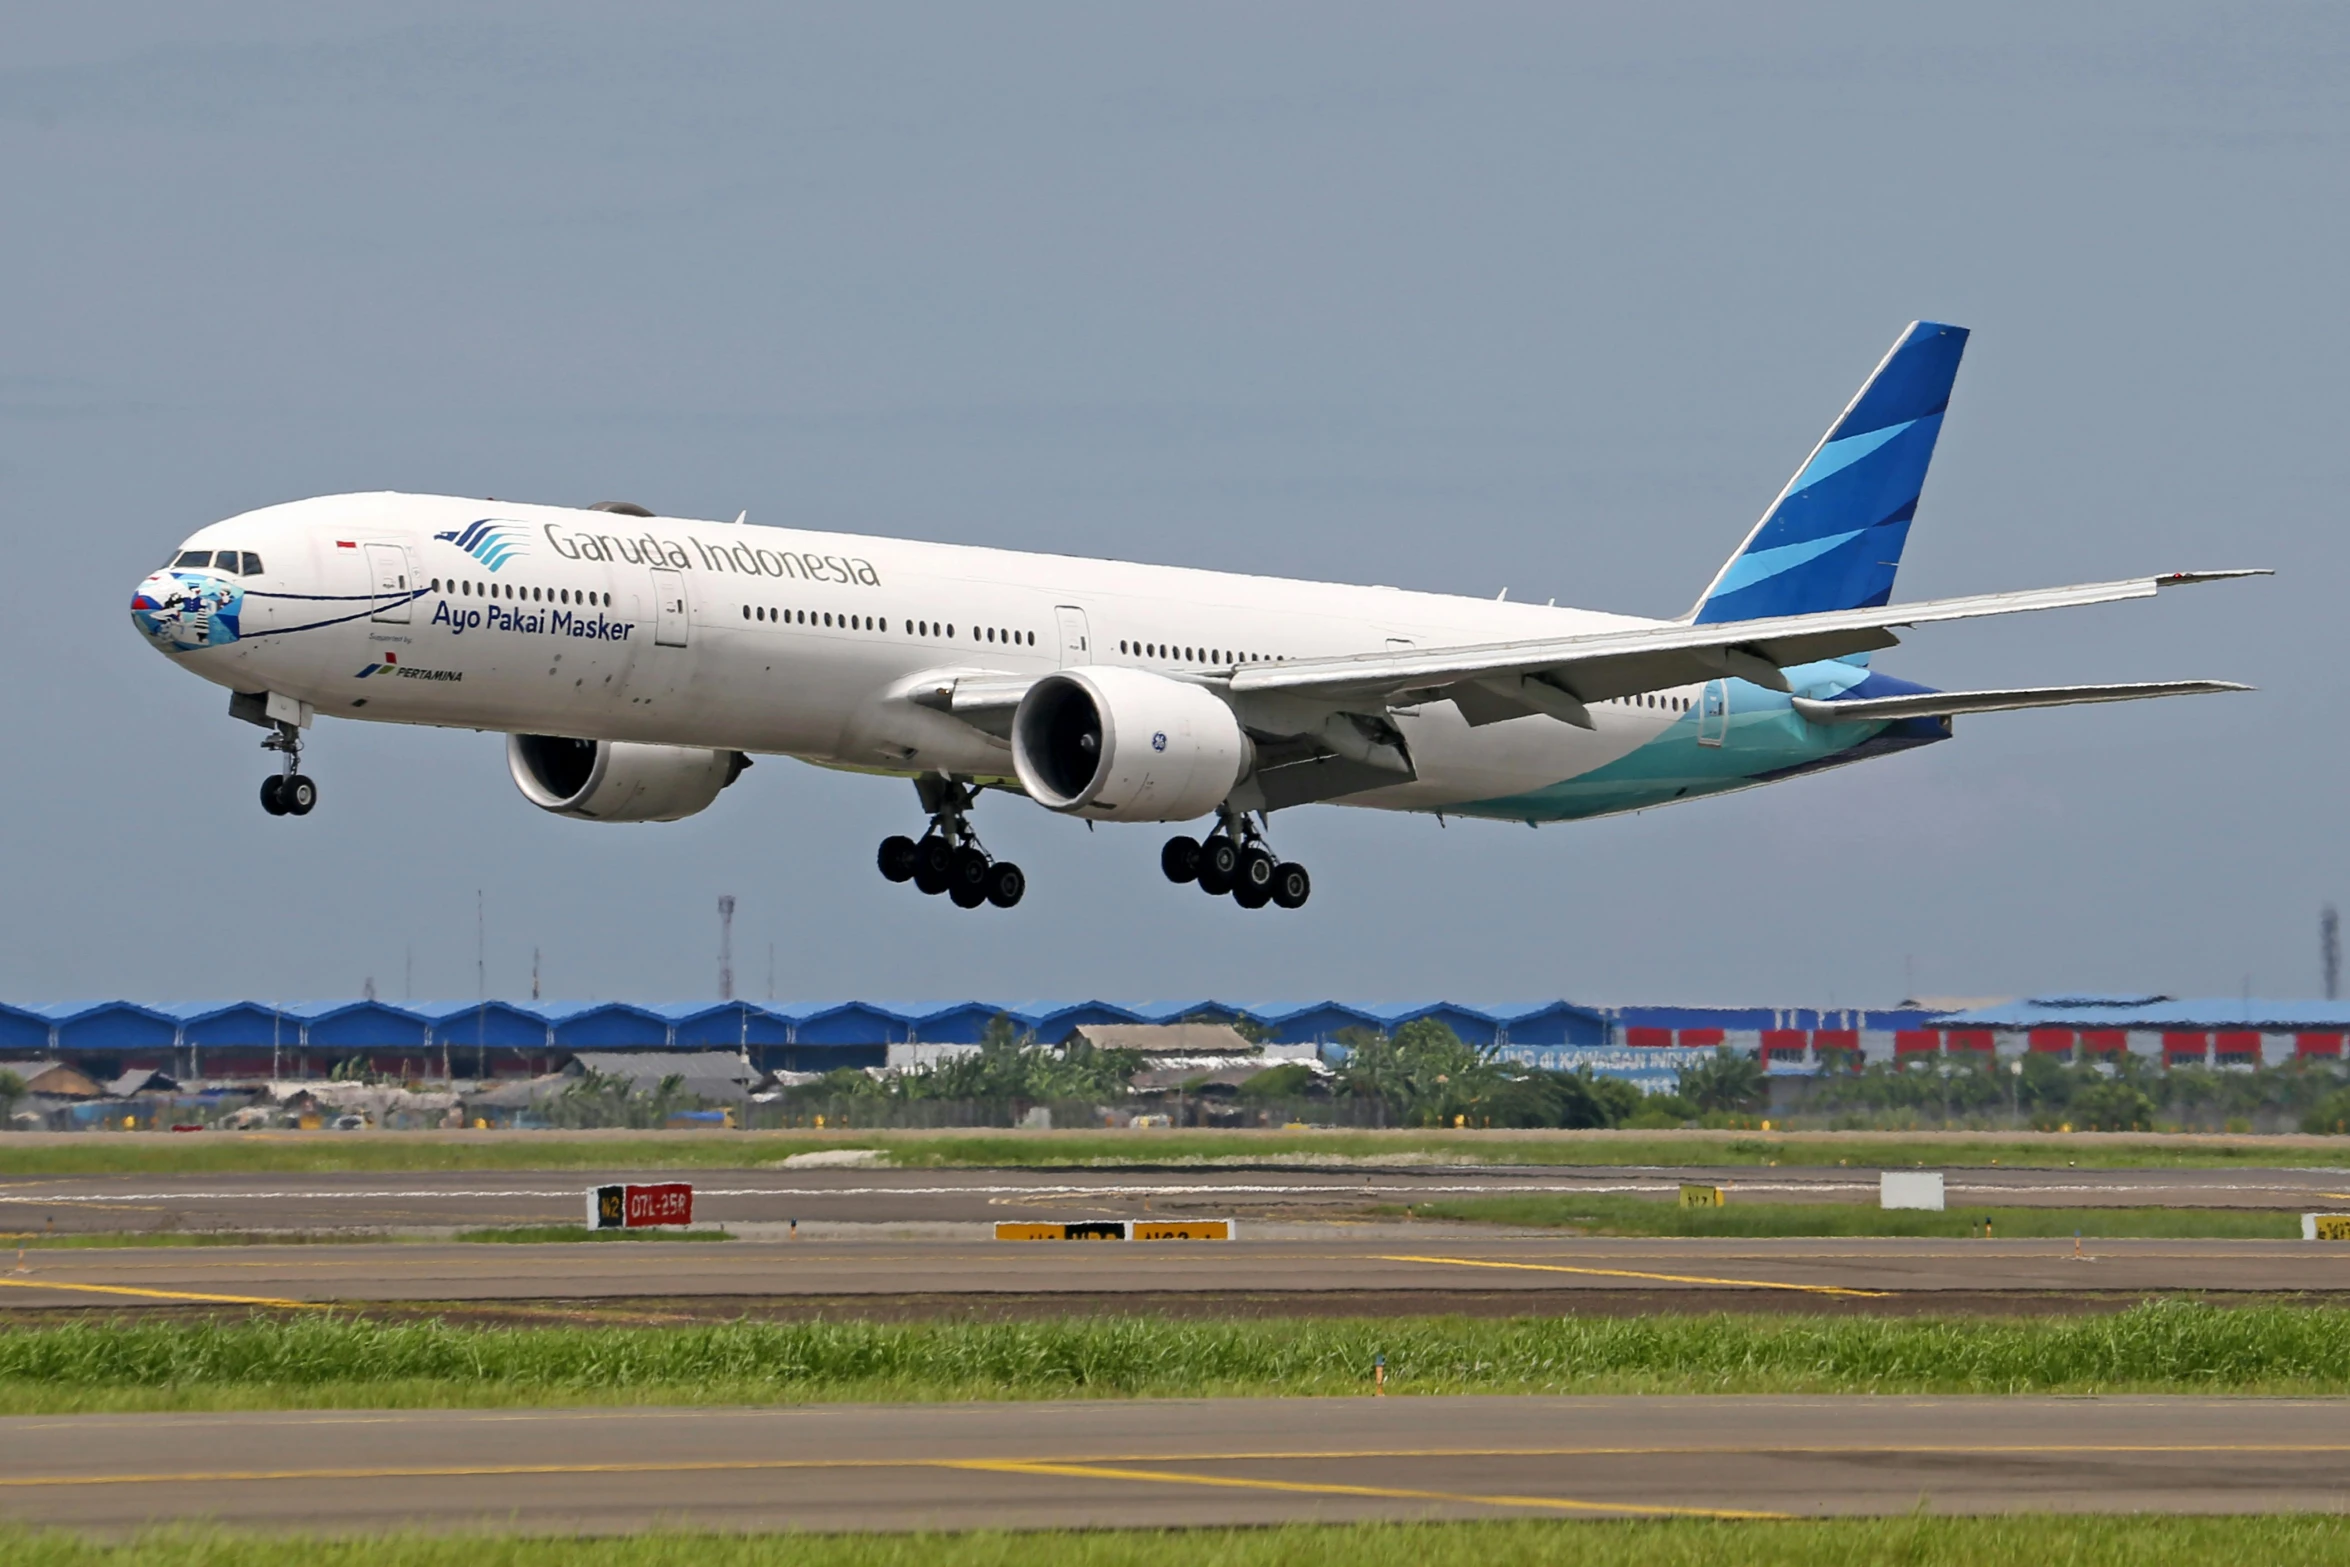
1125,745
619,781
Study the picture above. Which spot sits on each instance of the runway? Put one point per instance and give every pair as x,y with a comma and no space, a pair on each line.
1160,1464
765,1195
1316,1269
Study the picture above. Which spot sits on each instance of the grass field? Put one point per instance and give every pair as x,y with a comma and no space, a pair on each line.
340,1362
104,1153
1612,1214
2028,1541
544,1234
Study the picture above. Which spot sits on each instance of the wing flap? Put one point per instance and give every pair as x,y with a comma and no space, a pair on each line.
1943,704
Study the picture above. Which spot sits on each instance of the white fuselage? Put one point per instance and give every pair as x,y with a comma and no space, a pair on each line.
593,625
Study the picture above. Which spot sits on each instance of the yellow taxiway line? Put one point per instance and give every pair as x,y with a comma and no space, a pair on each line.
1632,1273
1112,1467
1315,1488
126,1289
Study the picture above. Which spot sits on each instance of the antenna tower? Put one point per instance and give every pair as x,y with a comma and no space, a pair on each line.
2329,949
726,946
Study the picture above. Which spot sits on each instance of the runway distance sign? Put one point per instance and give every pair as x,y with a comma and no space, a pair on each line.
2325,1226
1693,1196
634,1207
1119,1230
1181,1229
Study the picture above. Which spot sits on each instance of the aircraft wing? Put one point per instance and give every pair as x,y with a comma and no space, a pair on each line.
1942,704
1559,675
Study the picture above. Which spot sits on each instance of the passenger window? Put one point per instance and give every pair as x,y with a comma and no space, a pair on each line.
194,558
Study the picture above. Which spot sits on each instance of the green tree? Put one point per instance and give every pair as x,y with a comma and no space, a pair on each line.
597,1099
1010,1066
2330,1115
1427,1074
1289,1080
1729,1082
2115,1106
2046,1083
11,1090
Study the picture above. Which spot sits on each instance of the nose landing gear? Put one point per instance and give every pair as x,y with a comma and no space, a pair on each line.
287,792
1235,860
948,858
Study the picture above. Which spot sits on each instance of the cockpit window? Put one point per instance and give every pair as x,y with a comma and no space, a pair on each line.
252,564
190,559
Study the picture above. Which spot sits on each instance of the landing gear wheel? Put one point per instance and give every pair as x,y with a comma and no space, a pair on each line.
966,897
1291,885
1006,884
270,800
297,794
1256,876
970,872
934,865
1180,860
1219,865
897,859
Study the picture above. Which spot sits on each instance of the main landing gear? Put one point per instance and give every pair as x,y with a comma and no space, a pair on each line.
948,857
287,792
1234,859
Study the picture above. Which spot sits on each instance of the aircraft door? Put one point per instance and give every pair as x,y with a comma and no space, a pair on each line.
669,609
1076,640
1713,713
388,580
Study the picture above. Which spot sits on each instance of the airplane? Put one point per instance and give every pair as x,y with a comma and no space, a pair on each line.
636,663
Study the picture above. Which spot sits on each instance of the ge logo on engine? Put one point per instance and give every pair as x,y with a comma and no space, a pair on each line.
1159,741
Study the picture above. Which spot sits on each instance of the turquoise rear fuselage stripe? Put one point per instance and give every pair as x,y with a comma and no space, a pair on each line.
1763,739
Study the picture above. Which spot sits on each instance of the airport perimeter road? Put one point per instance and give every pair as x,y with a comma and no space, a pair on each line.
474,1198
1191,1462
1329,1270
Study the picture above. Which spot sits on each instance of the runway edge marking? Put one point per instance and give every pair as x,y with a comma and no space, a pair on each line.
1631,1273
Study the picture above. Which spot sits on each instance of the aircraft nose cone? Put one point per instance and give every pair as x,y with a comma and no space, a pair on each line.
182,611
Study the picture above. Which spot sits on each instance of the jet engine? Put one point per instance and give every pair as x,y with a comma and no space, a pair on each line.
619,781
1125,745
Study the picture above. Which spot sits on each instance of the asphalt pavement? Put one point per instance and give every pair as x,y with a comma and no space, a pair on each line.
870,1196
1318,1268
1172,1463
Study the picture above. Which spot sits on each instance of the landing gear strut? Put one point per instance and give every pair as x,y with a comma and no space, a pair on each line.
1235,860
948,857
287,792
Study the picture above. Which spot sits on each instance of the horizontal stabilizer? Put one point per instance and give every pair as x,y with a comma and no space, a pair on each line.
1942,704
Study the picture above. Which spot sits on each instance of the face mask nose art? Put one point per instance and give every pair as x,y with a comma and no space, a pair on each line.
181,611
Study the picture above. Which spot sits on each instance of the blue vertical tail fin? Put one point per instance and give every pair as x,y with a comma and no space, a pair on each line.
1833,538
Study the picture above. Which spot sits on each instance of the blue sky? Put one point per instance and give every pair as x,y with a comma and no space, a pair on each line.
1538,297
